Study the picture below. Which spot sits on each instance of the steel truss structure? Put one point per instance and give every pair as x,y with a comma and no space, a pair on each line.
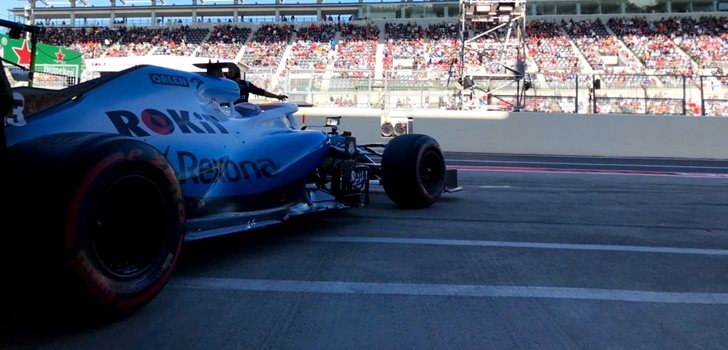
494,57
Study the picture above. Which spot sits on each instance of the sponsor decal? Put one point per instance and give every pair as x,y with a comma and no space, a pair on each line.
166,79
97,284
60,57
157,122
153,121
23,53
206,171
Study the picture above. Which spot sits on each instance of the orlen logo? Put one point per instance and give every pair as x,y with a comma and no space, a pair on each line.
154,121
165,79
207,171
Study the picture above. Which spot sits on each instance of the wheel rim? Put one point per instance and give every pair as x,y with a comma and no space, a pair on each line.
128,233
431,172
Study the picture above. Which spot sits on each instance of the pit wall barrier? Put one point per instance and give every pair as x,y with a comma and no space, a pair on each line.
597,135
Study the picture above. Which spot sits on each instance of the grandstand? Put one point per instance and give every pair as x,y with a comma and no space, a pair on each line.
611,56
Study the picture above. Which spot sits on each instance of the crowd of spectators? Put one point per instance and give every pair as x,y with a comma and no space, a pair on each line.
91,42
314,47
596,42
224,42
181,41
356,51
592,38
628,105
704,39
650,42
444,30
550,48
444,55
623,53
661,46
548,104
135,41
267,45
717,108
614,78
405,50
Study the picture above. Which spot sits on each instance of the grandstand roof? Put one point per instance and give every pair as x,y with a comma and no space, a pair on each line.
372,9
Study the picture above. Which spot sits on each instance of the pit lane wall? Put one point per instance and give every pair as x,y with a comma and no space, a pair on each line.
600,135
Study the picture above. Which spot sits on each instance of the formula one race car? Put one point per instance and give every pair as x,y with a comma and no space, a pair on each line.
106,179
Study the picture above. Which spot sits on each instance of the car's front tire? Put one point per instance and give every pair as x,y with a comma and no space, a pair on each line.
413,170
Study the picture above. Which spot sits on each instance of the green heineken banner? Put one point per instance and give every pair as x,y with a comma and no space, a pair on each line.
48,58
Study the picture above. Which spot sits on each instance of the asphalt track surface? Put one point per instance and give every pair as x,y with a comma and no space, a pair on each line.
535,253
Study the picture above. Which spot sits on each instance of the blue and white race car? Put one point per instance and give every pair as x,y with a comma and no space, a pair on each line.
108,178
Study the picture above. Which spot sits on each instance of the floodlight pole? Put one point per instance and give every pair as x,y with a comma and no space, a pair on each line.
504,21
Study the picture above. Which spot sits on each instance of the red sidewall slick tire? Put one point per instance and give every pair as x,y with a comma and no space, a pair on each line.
413,171
115,212
124,227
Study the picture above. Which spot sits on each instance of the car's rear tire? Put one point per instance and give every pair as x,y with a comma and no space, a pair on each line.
413,171
108,209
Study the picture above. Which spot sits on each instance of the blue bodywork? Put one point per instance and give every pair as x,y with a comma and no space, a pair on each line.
218,152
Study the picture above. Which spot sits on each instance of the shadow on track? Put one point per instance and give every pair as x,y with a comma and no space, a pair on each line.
37,308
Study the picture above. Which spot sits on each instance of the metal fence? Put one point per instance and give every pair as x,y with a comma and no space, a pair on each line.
439,89
583,93
48,80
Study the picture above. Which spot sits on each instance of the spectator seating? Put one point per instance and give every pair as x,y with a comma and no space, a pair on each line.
224,42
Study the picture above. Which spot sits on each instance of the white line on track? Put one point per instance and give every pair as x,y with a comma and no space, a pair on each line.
494,186
493,168
450,290
590,164
512,244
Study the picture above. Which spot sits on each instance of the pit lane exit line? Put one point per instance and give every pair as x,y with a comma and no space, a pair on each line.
449,290
487,168
665,166
515,244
